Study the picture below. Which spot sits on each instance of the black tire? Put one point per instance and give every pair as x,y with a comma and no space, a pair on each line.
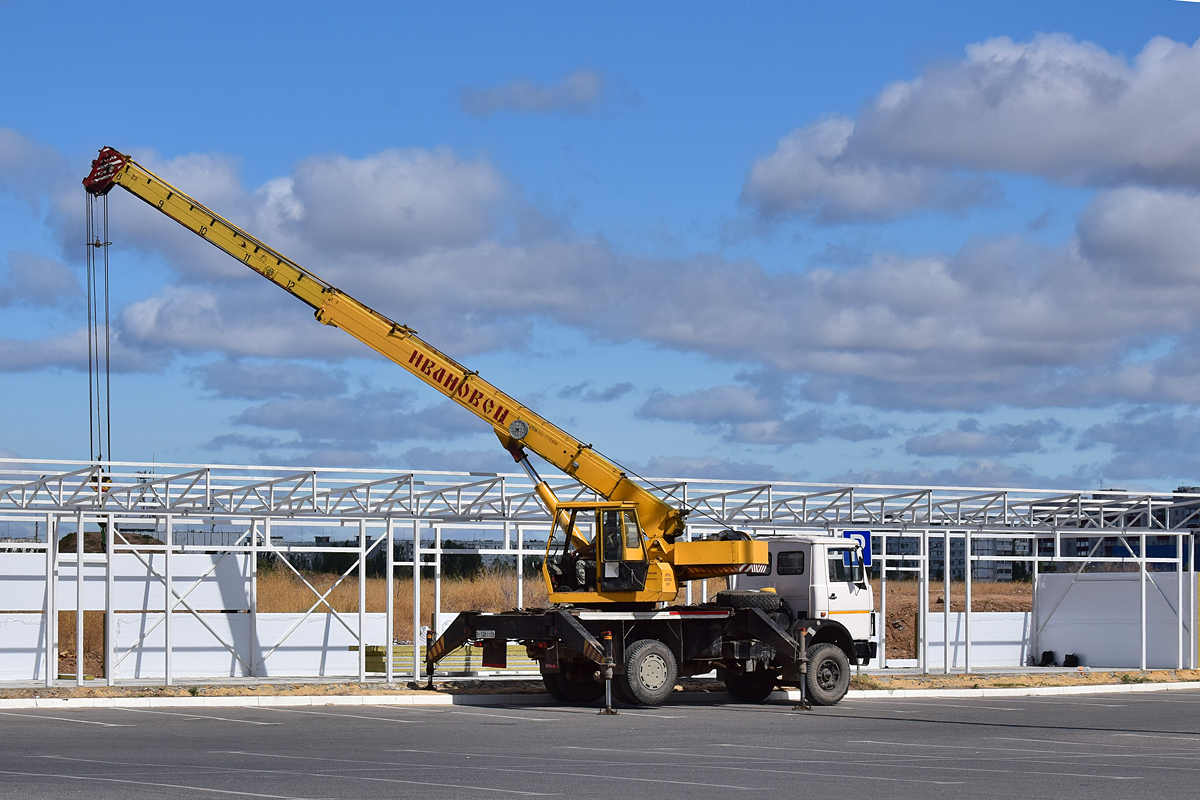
828,675
580,687
650,672
574,685
750,687
621,693
742,598
553,682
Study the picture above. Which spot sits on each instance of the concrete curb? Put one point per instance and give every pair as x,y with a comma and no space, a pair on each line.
438,699
1026,691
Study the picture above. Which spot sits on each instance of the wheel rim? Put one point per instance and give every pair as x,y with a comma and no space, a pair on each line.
828,674
652,672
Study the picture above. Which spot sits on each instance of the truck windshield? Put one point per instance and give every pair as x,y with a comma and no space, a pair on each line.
845,565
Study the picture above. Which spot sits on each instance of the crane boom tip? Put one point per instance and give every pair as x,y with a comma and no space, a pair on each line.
104,171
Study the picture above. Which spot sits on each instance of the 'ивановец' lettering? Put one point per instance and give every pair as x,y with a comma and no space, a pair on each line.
454,385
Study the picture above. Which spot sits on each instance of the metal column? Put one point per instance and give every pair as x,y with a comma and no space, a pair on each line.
390,573
969,564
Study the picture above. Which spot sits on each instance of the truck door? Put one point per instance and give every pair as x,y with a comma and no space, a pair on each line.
847,596
623,552
791,574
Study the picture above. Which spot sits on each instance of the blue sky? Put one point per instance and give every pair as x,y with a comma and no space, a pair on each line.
935,242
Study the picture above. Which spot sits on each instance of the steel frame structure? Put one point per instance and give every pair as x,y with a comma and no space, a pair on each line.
64,495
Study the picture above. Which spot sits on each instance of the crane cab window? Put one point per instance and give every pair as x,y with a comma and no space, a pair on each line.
571,552
624,566
620,536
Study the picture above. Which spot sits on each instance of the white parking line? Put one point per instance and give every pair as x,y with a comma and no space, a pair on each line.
195,716
942,704
345,777
66,719
501,716
335,714
127,781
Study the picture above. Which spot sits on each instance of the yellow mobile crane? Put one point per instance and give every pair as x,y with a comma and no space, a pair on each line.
610,564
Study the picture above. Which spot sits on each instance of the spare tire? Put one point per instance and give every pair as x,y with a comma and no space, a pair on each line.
744,598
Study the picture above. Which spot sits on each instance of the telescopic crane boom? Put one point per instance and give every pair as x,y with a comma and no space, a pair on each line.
640,561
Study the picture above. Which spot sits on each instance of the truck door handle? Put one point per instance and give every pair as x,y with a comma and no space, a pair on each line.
833,595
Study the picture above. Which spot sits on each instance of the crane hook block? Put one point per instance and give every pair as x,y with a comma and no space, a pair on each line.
104,171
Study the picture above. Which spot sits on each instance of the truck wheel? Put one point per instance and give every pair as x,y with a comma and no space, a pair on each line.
742,598
573,685
650,672
580,688
553,682
828,675
750,687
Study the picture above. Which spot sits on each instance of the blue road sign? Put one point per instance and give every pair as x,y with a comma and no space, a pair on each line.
863,538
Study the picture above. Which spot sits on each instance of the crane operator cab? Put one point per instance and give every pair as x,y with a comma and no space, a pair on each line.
596,548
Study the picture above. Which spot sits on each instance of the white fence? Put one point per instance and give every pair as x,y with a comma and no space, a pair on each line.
997,638
1100,618
188,609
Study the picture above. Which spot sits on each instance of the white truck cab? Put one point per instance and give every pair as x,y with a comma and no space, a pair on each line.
823,586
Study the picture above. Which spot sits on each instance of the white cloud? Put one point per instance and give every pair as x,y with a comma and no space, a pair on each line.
70,351
727,403
1154,233
35,280
584,391
812,173
974,473
1052,106
969,438
367,417
1002,321
576,93
29,168
396,202
258,381
711,468
1148,444
257,321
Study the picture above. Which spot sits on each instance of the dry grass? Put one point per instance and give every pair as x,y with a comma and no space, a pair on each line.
281,592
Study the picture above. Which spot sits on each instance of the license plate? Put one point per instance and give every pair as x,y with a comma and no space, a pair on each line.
485,634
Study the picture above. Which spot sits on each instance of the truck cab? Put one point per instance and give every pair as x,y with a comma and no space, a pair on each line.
823,585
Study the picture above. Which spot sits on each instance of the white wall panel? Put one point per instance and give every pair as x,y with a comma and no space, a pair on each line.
1098,617
22,582
135,585
22,656
998,639
318,648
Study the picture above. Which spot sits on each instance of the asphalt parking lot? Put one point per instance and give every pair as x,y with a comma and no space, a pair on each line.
1097,746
